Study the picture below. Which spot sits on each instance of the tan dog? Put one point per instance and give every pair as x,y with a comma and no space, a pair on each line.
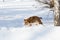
33,19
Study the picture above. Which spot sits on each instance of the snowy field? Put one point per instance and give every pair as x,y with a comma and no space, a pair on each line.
12,24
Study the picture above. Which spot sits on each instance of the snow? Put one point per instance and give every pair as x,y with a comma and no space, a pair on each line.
12,22
54,35
24,33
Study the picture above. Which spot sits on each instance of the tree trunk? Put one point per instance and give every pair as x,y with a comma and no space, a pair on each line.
56,13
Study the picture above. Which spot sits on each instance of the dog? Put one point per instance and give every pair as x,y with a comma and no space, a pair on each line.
33,19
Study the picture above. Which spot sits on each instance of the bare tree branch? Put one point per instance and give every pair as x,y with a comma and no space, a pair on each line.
51,4
42,2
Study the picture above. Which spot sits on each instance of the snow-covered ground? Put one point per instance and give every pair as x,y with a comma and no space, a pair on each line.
25,33
12,27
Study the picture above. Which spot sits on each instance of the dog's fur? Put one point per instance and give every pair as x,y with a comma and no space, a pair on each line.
33,19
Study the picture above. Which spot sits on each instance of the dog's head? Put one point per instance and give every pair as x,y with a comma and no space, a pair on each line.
26,21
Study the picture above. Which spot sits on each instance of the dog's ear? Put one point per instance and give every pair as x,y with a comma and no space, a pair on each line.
40,17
